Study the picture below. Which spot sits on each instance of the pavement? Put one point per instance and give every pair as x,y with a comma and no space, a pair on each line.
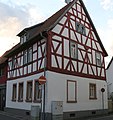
10,116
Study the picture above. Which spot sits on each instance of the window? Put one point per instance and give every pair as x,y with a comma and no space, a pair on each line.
80,28
73,50
13,62
1,71
98,59
14,92
29,91
20,92
71,91
25,57
30,54
37,91
24,38
92,91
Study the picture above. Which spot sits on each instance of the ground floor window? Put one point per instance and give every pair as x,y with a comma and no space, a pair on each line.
14,92
20,92
71,91
37,91
92,91
29,91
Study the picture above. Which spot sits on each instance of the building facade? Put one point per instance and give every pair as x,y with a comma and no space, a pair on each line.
3,79
67,50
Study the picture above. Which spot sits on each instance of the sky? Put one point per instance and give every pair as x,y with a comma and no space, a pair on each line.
15,15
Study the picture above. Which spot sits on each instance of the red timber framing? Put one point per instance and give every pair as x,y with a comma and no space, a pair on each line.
88,45
35,66
61,30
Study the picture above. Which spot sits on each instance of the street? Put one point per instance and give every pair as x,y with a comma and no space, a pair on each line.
6,117
110,117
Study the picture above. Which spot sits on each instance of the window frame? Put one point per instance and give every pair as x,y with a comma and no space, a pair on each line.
80,28
37,99
14,92
29,55
29,99
98,59
2,72
75,99
20,99
73,50
25,57
94,90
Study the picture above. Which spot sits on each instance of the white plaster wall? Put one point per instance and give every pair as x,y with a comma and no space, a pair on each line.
20,105
109,75
57,91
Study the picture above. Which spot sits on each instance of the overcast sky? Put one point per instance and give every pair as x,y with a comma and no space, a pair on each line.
15,15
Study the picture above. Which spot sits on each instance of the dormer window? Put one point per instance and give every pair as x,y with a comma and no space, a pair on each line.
80,28
23,38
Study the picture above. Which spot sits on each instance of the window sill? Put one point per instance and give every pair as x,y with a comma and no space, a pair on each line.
20,100
93,98
37,101
71,101
28,100
13,100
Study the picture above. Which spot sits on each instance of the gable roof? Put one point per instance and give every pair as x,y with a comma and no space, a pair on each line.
48,24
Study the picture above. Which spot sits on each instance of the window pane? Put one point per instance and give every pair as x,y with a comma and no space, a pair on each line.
92,91
37,92
73,50
29,54
14,92
20,95
25,57
29,91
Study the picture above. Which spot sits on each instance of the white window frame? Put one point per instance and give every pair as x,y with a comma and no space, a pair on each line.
29,91
37,91
80,28
25,60
73,50
20,91
98,59
92,91
30,54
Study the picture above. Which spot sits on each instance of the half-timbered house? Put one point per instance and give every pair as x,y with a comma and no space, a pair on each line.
67,50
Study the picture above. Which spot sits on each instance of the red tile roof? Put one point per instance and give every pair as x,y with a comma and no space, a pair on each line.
48,24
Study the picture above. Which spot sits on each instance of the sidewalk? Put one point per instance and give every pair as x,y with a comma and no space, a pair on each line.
17,117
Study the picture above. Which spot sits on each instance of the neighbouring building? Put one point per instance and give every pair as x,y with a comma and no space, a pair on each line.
3,79
67,50
109,75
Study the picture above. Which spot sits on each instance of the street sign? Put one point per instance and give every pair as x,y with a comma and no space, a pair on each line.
42,80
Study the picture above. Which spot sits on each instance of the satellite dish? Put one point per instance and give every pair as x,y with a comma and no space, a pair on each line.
67,1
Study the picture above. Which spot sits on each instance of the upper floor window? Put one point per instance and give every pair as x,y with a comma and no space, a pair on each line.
98,59
30,54
25,57
24,38
73,50
92,91
1,71
80,28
